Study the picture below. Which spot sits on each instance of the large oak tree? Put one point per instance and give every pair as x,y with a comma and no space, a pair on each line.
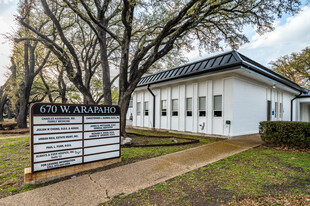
134,35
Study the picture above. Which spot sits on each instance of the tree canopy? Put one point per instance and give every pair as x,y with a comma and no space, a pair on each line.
125,39
295,67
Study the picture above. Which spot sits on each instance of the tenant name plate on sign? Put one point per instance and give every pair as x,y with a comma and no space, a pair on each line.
69,134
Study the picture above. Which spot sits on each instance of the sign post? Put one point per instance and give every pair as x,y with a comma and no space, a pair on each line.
70,134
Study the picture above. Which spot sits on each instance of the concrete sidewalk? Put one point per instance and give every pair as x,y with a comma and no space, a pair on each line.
102,186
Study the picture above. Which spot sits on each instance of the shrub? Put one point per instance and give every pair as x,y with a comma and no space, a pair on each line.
285,133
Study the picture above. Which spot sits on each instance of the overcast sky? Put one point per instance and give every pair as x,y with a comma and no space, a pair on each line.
291,34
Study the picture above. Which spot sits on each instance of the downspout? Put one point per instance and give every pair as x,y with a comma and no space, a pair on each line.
292,104
148,88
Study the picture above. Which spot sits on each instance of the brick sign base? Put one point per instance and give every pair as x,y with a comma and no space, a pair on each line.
49,175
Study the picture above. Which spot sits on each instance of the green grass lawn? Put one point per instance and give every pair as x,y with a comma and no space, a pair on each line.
14,157
256,173
134,154
252,176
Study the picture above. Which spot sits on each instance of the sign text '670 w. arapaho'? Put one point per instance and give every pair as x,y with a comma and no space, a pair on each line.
75,109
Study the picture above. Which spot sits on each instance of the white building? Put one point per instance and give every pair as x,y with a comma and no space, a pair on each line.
227,95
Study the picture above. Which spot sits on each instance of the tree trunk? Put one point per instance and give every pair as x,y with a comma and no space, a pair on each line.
2,103
23,97
22,115
124,103
62,87
105,69
87,78
23,103
9,110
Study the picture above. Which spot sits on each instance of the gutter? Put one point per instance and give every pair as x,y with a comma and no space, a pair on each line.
292,104
148,88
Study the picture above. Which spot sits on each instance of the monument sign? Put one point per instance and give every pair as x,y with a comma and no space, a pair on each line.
70,134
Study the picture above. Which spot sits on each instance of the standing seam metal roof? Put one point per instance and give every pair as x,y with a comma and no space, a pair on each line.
223,62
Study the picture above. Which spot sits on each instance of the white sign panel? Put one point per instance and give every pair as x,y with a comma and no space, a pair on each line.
105,126
100,134
57,155
57,120
96,119
57,137
57,129
69,134
94,150
57,163
92,158
56,146
94,142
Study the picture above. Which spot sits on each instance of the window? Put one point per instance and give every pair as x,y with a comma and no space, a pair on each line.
130,104
146,108
202,106
189,107
163,108
217,105
268,110
138,108
175,107
281,110
276,109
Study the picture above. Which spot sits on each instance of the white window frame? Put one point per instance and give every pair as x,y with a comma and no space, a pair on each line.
175,111
202,111
217,109
138,108
189,111
163,107
146,108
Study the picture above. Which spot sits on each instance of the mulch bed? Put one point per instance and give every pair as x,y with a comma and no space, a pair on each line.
147,141
15,131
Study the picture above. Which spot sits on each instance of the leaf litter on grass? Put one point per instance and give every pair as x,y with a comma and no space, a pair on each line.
259,172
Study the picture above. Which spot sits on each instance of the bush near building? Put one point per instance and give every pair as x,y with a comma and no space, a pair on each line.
286,133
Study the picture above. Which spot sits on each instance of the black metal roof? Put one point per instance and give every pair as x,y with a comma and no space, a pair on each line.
223,62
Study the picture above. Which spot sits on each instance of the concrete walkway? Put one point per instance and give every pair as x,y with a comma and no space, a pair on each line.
102,186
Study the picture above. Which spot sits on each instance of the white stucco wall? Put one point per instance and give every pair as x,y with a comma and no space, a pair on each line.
304,112
249,107
228,103
244,103
287,97
301,109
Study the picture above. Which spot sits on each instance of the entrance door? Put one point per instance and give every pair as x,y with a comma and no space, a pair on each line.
268,110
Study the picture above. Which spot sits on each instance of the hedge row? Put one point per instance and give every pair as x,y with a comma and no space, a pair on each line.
284,133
